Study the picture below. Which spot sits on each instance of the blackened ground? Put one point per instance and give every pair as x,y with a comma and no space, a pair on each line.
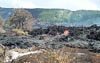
81,37
51,37
13,41
92,32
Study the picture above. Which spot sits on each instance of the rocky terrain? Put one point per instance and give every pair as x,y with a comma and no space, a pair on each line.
57,43
81,45
51,37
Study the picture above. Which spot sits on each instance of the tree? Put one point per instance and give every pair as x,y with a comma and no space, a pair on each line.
1,26
20,19
1,20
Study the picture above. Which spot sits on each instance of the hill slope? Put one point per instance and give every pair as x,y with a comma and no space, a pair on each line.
80,17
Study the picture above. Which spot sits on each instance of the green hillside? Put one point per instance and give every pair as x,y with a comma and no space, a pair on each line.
79,17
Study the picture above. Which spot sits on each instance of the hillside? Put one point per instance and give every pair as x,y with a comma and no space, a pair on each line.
24,39
4,12
65,17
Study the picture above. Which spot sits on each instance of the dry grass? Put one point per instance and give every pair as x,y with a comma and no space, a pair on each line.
19,32
96,58
33,48
63,55
1,55
2,30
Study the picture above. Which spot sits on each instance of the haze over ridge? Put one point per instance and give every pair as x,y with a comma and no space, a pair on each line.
61,4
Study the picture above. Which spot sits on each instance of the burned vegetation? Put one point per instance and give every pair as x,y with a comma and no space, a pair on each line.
57,41
56,37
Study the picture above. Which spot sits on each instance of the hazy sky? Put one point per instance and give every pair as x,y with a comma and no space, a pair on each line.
62,4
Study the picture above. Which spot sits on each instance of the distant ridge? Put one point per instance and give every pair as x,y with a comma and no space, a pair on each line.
79,17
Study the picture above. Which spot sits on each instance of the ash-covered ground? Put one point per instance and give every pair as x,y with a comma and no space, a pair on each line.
53,37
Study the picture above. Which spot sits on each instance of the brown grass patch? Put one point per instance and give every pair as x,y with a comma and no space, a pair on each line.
63,55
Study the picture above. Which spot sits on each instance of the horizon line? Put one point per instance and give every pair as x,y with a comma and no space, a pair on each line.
50,8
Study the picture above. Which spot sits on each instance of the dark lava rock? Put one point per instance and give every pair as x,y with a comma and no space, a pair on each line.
12,41
80,37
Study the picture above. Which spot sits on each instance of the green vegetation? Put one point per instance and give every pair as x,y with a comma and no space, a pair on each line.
54,15
85,16
81,17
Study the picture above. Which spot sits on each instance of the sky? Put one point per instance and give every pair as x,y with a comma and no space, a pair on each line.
61,4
